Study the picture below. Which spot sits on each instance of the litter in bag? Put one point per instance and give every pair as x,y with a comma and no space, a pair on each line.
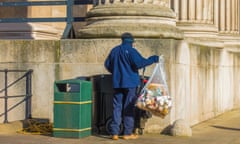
154,97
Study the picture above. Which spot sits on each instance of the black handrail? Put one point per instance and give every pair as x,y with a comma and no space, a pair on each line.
27,96
69,18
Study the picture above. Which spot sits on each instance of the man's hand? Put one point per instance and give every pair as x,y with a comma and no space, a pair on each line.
155,58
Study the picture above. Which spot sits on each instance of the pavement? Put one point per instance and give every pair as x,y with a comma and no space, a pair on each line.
224,129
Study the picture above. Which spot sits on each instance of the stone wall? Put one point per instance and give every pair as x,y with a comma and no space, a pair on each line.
203,80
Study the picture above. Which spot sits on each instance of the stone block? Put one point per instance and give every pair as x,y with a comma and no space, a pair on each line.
181,128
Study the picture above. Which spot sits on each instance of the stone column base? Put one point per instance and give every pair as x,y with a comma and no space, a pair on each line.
29,31
198,30
142,20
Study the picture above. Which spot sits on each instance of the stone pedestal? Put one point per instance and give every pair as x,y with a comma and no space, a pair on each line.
28,31
143,20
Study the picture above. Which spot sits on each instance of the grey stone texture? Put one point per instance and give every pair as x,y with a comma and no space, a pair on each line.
142,20
181,128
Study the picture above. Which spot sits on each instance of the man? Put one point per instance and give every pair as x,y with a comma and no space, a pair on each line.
123,62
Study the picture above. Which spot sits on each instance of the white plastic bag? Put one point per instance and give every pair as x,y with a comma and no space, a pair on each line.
154,97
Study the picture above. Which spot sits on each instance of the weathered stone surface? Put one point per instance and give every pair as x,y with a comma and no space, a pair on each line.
142,20
181,128
132,9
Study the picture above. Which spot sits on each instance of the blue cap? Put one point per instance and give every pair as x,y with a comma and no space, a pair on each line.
127,37
128,40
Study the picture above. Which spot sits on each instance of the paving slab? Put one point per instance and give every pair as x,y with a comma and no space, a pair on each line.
224,129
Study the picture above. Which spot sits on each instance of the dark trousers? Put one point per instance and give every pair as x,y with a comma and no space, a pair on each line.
123,109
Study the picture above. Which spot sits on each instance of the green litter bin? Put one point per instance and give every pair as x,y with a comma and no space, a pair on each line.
72,108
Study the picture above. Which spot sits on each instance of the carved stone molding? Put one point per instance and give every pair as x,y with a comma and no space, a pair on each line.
142,20
28,31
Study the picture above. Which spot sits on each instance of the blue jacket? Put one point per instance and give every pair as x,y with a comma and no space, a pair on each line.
124,62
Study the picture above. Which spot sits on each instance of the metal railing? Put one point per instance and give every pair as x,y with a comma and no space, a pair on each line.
26,97
69,19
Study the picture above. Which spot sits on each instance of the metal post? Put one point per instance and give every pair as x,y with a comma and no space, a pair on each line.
6,97
69,11
69,27
95,2
28,107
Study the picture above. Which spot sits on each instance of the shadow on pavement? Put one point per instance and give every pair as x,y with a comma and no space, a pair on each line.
226,128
